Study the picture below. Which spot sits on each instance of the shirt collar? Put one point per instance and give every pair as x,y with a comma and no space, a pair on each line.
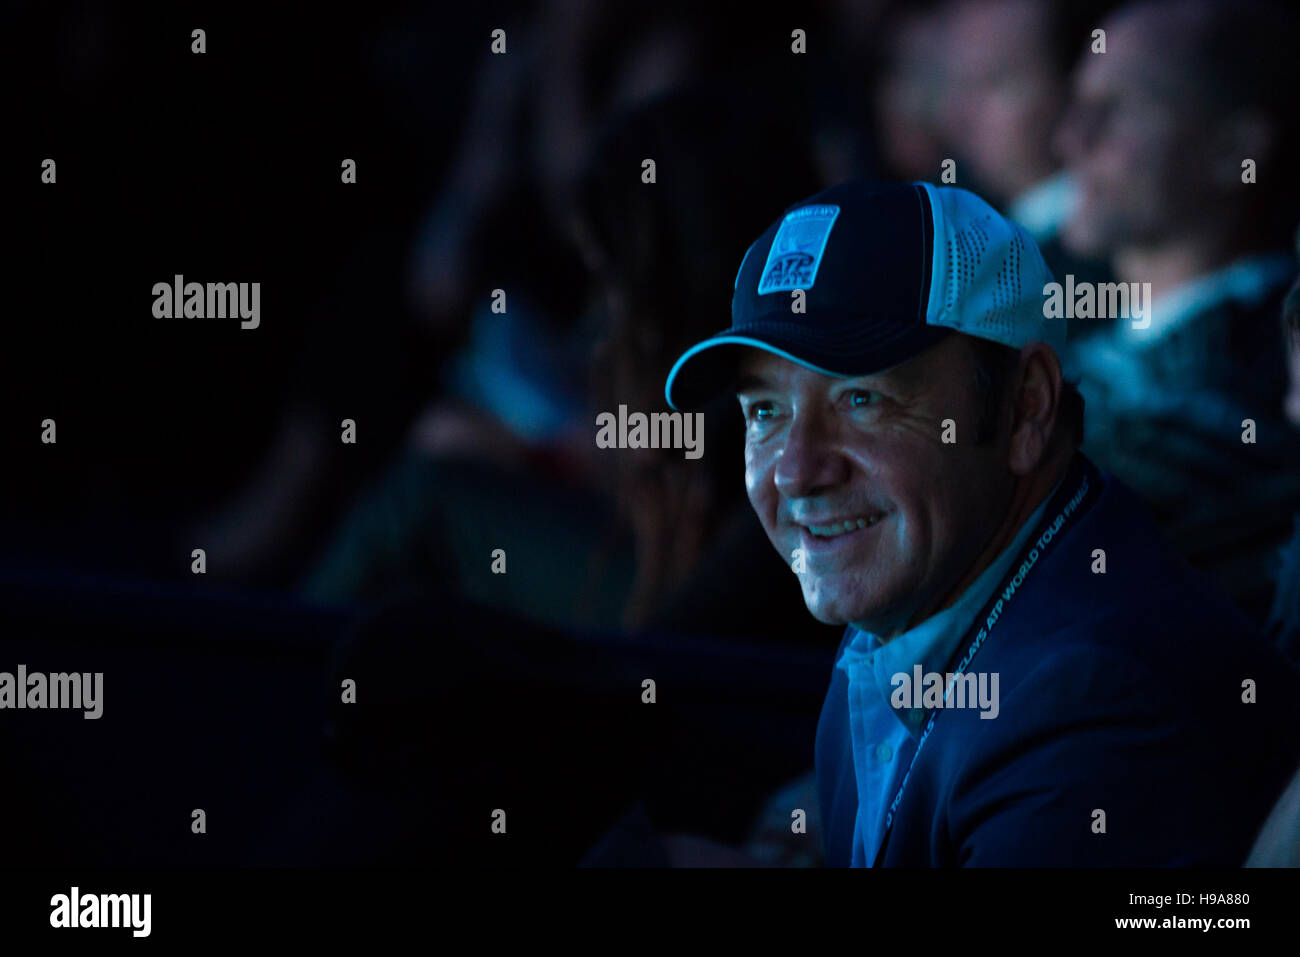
1248,280
1044,207
933,642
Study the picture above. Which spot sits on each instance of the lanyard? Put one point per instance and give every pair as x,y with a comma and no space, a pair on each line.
1075,495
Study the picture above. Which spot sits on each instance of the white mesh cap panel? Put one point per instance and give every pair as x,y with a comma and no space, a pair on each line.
1006,292
991,274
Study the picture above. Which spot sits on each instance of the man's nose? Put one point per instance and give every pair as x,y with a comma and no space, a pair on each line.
1069,140
810,460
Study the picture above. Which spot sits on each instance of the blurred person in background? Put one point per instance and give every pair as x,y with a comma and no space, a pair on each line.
663,552
500,221
1008,65
908,93
1156,139
500,389
661,260
662,257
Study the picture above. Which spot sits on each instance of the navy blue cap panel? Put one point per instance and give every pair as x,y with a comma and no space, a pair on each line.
925,263
862,255
841,283
875,262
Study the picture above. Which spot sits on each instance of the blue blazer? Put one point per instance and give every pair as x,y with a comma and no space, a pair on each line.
1121,692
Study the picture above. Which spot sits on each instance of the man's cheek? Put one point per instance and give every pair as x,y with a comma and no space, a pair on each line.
760,486
756,471
757,499
764,502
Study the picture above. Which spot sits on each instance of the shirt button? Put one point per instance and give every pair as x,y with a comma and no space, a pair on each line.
884,752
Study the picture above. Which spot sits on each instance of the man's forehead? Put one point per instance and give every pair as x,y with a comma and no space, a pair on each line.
757,362
759,368
1020,26
1141,50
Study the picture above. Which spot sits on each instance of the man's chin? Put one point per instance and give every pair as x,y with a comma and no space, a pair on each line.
877,617
828,618
830,612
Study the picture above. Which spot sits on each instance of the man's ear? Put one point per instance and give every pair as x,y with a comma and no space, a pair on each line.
1036,403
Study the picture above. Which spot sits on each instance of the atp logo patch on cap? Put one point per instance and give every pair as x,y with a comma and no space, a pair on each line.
797,249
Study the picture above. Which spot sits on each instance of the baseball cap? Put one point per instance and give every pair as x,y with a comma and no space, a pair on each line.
886,270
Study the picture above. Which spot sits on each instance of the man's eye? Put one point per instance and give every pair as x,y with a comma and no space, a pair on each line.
861,398
762,410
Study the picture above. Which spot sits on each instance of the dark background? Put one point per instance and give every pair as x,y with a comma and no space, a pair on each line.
221,692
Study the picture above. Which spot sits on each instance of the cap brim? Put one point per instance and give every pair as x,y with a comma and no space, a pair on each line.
858,347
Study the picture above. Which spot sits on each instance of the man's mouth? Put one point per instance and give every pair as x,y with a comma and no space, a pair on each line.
835,529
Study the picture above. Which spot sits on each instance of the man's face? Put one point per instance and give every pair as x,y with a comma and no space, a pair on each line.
1004,93
855,473
1134,140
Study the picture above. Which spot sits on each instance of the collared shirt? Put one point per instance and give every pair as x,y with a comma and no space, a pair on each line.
884,739
1249,279
1116,366
1043,208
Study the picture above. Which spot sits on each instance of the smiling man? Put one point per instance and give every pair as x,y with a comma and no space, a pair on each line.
912,451
897,522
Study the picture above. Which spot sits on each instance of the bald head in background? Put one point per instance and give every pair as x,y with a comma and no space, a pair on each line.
1160,125
1008,65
